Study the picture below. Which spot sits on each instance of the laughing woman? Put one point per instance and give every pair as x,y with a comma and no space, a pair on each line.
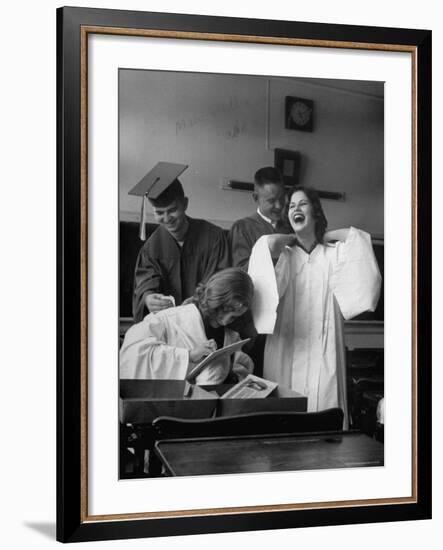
321,279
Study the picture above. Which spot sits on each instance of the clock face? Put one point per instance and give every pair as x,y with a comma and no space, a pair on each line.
299,113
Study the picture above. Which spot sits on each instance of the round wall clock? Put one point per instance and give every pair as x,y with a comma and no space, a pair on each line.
299,113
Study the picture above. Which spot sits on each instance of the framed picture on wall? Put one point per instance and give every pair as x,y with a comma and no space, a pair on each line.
288,162
177,101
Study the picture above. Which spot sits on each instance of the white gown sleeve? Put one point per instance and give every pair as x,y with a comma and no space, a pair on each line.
282,271
268,285
356,279
145,353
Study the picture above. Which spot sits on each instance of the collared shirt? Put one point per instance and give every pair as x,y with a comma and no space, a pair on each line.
244,234
274,224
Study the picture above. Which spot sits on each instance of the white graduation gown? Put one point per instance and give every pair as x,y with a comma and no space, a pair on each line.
306,350
158,347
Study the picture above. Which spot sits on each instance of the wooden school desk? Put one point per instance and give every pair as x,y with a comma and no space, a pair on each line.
247,454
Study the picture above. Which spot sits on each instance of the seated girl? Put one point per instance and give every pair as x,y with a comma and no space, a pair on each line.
169,343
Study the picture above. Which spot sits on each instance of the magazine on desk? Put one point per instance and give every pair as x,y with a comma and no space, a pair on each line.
251,387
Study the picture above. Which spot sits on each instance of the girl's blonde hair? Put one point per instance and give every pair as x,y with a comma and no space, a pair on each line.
228,290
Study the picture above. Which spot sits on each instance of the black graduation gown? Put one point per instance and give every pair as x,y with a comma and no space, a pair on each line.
165,267
245,233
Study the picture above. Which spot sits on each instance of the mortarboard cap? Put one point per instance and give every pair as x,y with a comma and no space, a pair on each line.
161,186
158,180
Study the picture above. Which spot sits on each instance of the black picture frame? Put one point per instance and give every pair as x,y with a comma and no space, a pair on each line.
288,163
73,24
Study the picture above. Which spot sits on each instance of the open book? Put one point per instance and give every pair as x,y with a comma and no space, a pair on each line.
227,350
250,387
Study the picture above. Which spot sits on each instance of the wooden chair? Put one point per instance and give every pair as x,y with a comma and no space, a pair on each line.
266,423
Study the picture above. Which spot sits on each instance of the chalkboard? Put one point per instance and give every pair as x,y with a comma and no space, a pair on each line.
130,245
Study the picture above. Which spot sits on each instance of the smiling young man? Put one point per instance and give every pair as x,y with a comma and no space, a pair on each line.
270,196
179,254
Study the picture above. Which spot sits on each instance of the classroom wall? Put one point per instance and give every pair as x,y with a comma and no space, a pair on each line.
227,126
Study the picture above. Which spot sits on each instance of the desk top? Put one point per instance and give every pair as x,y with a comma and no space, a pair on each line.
233,455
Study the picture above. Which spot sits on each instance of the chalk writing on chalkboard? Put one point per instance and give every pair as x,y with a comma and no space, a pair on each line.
216,114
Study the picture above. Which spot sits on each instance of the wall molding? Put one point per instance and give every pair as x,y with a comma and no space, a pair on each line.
333,88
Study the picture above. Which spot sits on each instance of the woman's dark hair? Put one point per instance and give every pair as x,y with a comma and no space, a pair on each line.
227,290
321,223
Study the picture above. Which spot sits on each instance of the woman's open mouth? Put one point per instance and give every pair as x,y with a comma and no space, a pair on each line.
298,218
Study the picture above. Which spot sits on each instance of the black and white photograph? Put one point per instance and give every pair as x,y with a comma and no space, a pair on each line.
243,274
251,263
220,232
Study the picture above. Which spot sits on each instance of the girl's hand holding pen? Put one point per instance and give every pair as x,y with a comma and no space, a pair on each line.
201,351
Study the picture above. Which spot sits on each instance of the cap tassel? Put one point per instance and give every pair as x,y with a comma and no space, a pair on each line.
142,232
